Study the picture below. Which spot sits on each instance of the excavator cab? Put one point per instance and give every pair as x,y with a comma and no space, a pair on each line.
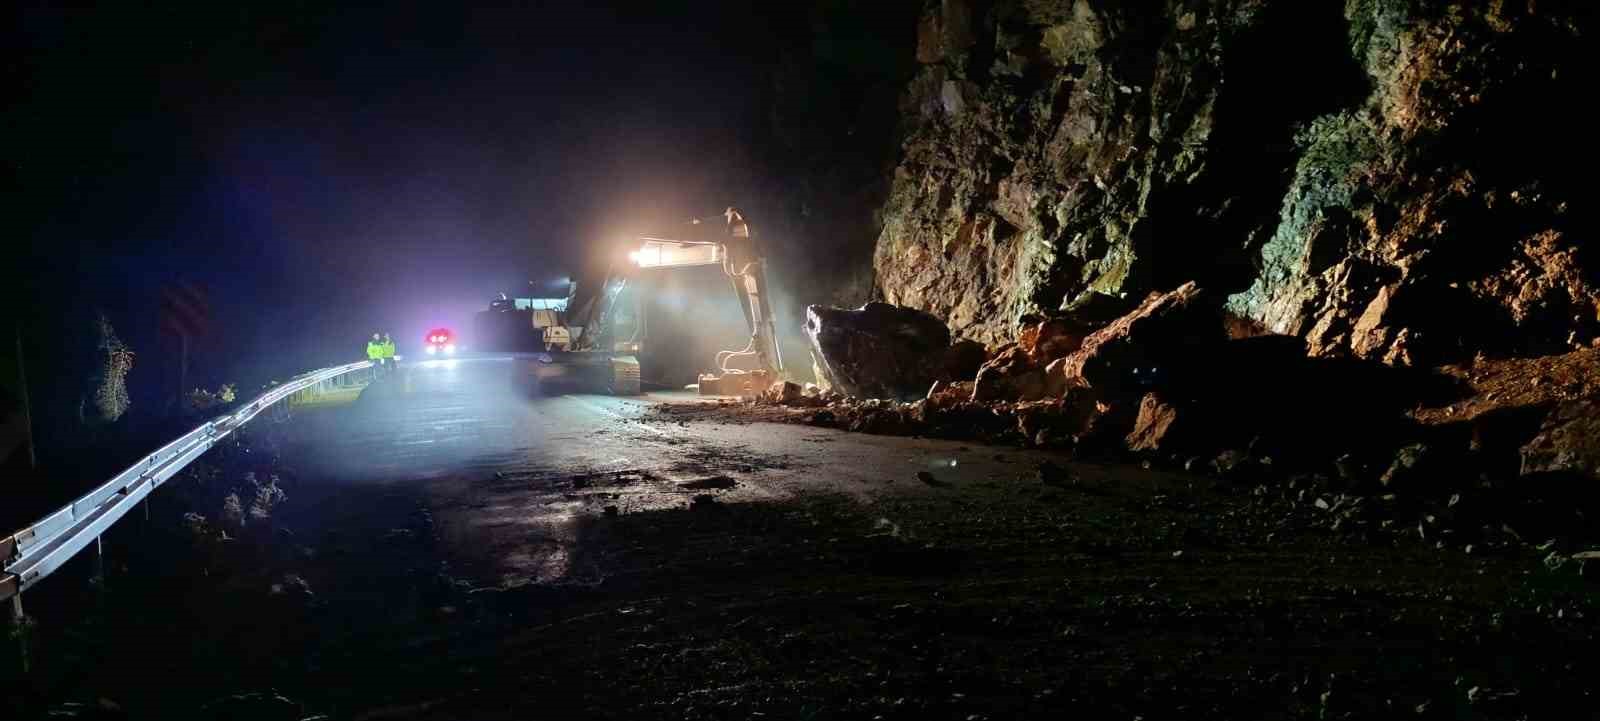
586,342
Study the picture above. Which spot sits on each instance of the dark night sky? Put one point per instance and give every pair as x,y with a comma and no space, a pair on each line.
325,170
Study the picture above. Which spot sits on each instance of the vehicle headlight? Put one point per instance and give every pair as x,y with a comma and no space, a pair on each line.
432,350
450,348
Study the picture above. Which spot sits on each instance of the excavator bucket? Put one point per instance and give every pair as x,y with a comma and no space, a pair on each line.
735,384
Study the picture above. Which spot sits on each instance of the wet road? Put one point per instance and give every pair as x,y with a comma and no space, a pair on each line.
453,548
508,473
828,572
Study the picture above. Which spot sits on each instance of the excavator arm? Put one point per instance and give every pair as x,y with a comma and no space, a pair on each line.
590,304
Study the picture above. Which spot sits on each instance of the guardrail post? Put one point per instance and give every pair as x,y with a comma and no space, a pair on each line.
99,560
19,629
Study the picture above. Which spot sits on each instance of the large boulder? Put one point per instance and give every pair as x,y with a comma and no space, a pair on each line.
1050,339
1056,338
1012,375
1146,347
878,350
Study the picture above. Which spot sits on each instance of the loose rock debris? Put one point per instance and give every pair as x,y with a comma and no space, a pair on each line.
1173,383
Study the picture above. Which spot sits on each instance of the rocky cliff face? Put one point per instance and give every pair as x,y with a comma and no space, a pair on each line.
1390,179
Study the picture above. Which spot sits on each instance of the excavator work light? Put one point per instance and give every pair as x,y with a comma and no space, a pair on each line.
663,253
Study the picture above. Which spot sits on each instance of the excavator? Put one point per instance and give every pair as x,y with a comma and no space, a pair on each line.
589,341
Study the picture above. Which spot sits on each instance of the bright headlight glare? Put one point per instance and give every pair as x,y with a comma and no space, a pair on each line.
432,350
450,348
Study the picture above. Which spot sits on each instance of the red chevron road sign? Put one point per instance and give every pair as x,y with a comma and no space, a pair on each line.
185,312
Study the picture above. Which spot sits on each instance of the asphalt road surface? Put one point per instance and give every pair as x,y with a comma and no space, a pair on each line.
501,465
452,547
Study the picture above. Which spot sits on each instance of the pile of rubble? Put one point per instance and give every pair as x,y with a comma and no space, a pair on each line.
896,370
1174,382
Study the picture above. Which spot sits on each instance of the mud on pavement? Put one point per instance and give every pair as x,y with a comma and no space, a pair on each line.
870,577
703,570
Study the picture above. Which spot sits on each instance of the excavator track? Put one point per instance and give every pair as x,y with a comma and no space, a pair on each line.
625,376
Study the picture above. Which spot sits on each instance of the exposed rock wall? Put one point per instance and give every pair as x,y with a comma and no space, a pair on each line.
1438,218
1391,179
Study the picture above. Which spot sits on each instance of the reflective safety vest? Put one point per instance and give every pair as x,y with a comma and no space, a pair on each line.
374,350
388,349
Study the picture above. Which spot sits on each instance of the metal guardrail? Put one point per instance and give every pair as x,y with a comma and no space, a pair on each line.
31,554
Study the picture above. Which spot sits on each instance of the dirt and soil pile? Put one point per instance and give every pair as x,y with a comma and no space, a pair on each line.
1170,382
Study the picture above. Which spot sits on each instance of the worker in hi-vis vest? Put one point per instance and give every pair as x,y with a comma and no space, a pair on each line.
375,352
388,352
